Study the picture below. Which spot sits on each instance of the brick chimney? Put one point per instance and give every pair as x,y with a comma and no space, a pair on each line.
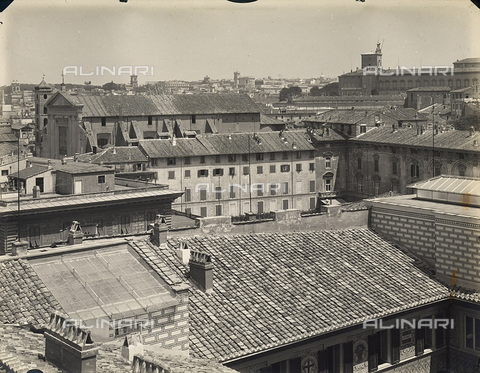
160,229
69,347
75,234
201,270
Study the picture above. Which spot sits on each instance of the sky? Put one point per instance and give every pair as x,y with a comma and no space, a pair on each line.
190,39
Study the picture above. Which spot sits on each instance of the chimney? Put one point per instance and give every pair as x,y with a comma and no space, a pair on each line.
174,141
201,270
472,131
36,191
64,161
69,346
160,229
49,164
184,253
132,346
75,234
19,248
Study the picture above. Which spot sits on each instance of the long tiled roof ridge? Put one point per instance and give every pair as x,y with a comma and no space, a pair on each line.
266,286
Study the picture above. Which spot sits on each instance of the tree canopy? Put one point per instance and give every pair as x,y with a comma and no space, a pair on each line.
289,93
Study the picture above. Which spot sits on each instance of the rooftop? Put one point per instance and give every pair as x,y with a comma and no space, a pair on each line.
29,172
430,89
82,168
115,155
234,143
131,105
266,287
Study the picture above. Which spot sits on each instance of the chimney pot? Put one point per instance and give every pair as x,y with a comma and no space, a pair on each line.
75,234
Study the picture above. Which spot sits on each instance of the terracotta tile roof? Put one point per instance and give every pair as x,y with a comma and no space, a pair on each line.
24,298
29,172
267,287
234,143
451,139
132,105
123,154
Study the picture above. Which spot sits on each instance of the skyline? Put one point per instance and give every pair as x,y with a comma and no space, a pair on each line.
190,39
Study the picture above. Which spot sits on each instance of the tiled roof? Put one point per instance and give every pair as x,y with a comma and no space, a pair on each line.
401,114
398,97
43,84
29,172
266,120
450,184
278,288
81,168
8,137
24,298
430,89
132,105
451,139
235,143
122,154
343,116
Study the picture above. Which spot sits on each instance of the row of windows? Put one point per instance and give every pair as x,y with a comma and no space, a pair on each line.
246,170
426,83
258,189
245,157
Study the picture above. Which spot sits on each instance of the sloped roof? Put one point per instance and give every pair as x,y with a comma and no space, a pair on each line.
8,137
430,89
469,60
82,168
234,143
24,298
133,105
343,116
29,172
277,288
122,154
451,139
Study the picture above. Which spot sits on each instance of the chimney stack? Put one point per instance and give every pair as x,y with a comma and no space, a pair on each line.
75,234
184,253
132,346
160,229
472,131
36,191
69,346
201,270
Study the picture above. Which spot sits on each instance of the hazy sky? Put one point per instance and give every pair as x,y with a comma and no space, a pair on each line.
189,39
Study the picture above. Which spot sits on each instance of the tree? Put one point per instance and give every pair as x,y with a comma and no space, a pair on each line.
315,91
289,93
110,86
468,122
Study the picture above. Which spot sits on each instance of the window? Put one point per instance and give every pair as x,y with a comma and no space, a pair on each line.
231,171
375,165
311,166
359,163
245,157
218,159
202,159
259,157
359,185
414,170
171,161
394,167
363,128
188,195
171,175
285,204
312,186
218,210
259,170
272,156
34,236
104,122
273,189
203,194
461,170
187,174
259,188
285,155
100,142
232,157
298,167
285,187
4,172
246,170
328,162
202,173
218,172
313,203
45,122
472,333
150,121
187,160
285,168
438,169
194,119
328,185
125,224
101,179
203,212
311,154
260,207
299,155
218,192
272,169
232,191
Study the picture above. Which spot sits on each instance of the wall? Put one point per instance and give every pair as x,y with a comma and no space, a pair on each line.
66,181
